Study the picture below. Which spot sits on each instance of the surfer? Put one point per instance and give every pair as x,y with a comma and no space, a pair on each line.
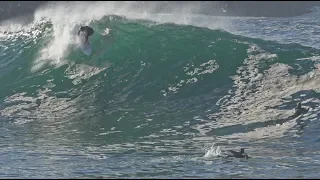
87,31
299,110
240,154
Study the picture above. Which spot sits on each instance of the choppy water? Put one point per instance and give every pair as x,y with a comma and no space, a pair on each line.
157,93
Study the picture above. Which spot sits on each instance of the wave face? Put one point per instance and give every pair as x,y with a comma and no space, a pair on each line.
156,92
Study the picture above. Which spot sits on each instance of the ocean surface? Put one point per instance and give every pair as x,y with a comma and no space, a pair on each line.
159,94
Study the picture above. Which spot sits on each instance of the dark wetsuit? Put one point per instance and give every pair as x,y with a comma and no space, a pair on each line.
240,154
299,110
88,31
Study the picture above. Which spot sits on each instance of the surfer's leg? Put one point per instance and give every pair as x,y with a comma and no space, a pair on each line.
86,36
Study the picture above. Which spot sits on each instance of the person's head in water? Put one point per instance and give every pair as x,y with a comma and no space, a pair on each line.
88,31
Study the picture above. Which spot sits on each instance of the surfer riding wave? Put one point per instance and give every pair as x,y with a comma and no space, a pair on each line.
86,31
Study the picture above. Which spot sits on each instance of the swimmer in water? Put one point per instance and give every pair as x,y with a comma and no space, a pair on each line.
240,154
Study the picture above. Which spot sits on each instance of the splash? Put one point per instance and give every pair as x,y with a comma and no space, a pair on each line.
214,151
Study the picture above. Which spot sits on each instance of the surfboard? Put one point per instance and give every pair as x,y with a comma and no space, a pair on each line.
85,47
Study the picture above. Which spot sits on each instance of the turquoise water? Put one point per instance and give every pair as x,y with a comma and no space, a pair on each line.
157,95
